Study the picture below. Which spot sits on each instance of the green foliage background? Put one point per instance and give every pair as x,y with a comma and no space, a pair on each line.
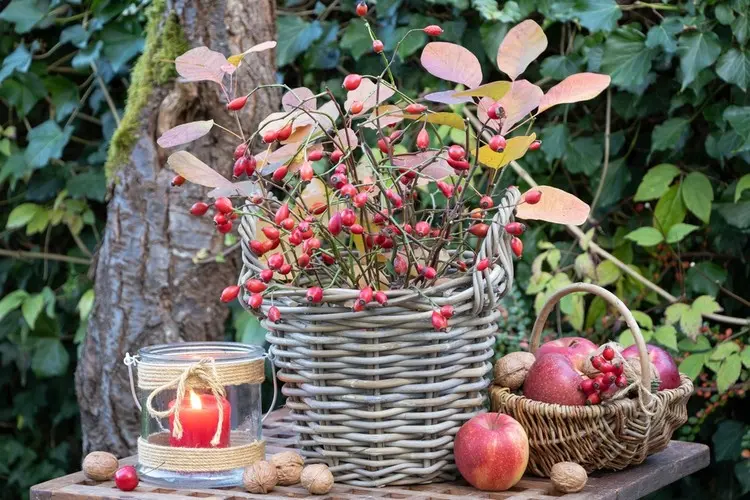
675,203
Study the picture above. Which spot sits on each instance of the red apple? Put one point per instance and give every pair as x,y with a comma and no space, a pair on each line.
578,349
669,375
553,379
491,451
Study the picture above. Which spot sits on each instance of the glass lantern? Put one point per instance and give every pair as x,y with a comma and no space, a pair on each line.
200,413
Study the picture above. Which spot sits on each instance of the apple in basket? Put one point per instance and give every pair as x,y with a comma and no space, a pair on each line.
577,349
666,368
491,451
554,379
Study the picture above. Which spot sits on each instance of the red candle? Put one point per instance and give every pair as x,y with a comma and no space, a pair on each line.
199,416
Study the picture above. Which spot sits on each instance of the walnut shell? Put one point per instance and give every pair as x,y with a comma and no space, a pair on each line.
288,467
511,369
259,477
568,477
100,465
317,478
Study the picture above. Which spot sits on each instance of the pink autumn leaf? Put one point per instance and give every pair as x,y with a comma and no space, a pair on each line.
523,43
389,115
242,188
432,168
575,88
182,134
346,139
555,206
300,97
324,117
195,171
521,99
236,59
270,162
452,62
369,94
201,64
446,97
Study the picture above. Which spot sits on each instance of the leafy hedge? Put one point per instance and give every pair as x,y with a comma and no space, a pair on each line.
674,206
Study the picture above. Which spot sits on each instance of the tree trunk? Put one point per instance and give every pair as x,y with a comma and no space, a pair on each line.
148,288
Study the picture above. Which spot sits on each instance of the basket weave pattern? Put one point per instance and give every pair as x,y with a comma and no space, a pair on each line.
379,394
613,435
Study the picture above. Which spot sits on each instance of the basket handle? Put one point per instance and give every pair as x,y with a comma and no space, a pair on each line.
536,332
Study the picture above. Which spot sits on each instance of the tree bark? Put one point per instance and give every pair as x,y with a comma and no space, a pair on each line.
148,288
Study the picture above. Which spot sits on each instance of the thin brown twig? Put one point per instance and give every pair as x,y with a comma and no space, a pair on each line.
20,254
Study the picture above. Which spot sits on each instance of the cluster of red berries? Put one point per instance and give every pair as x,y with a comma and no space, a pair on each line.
611,376
224,215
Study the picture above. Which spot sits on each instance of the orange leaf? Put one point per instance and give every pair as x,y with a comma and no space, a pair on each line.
521,99
523,43
389,115
452,62
369,94
555,206
575,88
515,148
195,171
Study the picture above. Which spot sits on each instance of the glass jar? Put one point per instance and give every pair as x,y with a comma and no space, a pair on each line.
200,413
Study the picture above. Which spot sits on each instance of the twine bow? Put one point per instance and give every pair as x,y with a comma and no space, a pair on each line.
203,373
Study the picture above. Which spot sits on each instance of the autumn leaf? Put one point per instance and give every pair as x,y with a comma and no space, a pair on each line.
301,97
182,134
452,62
202,64
236,59
369,94
575,88
494,90
521,99
523,43
443,118
195,171
555,206
515,148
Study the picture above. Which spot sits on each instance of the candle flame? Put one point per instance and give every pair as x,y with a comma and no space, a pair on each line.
195,401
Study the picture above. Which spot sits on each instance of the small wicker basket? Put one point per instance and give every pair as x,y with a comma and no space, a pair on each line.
613,435
379,394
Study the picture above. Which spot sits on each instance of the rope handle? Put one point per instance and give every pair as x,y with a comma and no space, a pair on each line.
536,332
131,361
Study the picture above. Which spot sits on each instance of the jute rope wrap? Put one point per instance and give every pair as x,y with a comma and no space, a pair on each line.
155,450
379,394
613,435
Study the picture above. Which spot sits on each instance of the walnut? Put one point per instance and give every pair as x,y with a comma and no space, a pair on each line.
511,369
288,467
100,465
317,479
259,477
568,477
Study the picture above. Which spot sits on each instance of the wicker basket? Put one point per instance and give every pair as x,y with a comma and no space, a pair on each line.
609,436
379,394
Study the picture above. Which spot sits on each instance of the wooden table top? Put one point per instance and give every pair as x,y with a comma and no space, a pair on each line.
680,459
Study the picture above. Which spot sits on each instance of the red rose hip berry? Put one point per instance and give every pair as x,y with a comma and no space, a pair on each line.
433,30
352,81
230,293
532,197
377,46
126,478
199,209
361,9
237,104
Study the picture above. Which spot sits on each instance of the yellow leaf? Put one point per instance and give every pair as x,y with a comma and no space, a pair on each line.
494,90
236,59
450,119
514,149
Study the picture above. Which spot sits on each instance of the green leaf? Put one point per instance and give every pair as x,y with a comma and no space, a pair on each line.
39,222
584,155
679,231
64,95
698,345
12,301
673,313
663,35
697,195
25,13
727,441
705,278
645,236
122,42
21,215
558,67
742,184
627,59
734,67
574,307
31,308
607,273
735,214
670,210
50,359
555,139
724,14
672,134
85,57
705,304
697,51
23,91
46,142
85,303
656,181
356,40
643,319
295,35
739,119
745,356
692,365
741,27
666,335
728,373
742,474
690,323
599,15
724,350
18,60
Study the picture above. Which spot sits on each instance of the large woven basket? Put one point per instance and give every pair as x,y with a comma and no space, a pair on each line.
613,435
379,394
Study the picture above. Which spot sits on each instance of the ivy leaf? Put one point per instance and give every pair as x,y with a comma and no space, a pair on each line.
12,301
607,273
18,60
23,91
697,51
724,14
356,40
705,304
727,445
742,184
705,278
728,373
31,308
295,35
679,231
50,358
692,365
672,134
584,155
697,195
741,27
656,182
46,142
690,323
666,335
122,42
734,67
645,236
739,119
64,95
662,35
670,209
627,59
735,214
599,15
558,67
25,14
555,139
673,313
